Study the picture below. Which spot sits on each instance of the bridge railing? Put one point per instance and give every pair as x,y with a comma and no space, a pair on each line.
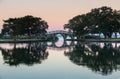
58,31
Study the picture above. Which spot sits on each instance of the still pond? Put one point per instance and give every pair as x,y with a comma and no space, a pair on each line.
60,60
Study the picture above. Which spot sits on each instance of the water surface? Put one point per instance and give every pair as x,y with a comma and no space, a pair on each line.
60,60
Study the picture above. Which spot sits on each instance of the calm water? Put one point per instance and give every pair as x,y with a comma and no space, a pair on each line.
60,60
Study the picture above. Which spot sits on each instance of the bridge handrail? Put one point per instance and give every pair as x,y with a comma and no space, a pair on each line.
58,31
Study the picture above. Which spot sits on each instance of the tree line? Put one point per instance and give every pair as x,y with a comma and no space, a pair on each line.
103,20
99,20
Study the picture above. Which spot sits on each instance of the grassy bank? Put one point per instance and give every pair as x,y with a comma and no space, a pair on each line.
104,40
42,40
20,40
96,40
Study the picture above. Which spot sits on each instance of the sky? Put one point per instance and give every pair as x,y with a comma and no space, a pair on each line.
55,12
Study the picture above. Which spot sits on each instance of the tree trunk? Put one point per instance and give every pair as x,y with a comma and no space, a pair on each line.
115,34
109,35
105,36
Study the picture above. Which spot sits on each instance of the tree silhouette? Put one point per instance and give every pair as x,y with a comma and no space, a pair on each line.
106,19
32,54
100,20
25,25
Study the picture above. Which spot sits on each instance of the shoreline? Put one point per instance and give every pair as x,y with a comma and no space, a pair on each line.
96,40
41,40
21,40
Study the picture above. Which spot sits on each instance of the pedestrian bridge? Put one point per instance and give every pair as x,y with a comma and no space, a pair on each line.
65,34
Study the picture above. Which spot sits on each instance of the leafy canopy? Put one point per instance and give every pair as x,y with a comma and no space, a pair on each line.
99,20
24,25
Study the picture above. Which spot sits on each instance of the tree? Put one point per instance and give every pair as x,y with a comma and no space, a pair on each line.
78,25
106,19
116,22
99,20
24,25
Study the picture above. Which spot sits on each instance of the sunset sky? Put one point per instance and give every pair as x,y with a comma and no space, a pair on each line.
55,12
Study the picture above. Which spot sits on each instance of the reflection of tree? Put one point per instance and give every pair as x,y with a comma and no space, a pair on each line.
31,54
102,60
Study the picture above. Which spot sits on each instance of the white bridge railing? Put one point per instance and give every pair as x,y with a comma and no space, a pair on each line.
58,31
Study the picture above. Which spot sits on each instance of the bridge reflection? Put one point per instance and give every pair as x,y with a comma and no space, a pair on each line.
63,44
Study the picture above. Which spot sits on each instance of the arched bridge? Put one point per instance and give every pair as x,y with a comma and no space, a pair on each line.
62,32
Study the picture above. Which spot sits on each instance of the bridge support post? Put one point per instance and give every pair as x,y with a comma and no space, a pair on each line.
72,37
53,43
64,36
53,37
64,43
72,43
